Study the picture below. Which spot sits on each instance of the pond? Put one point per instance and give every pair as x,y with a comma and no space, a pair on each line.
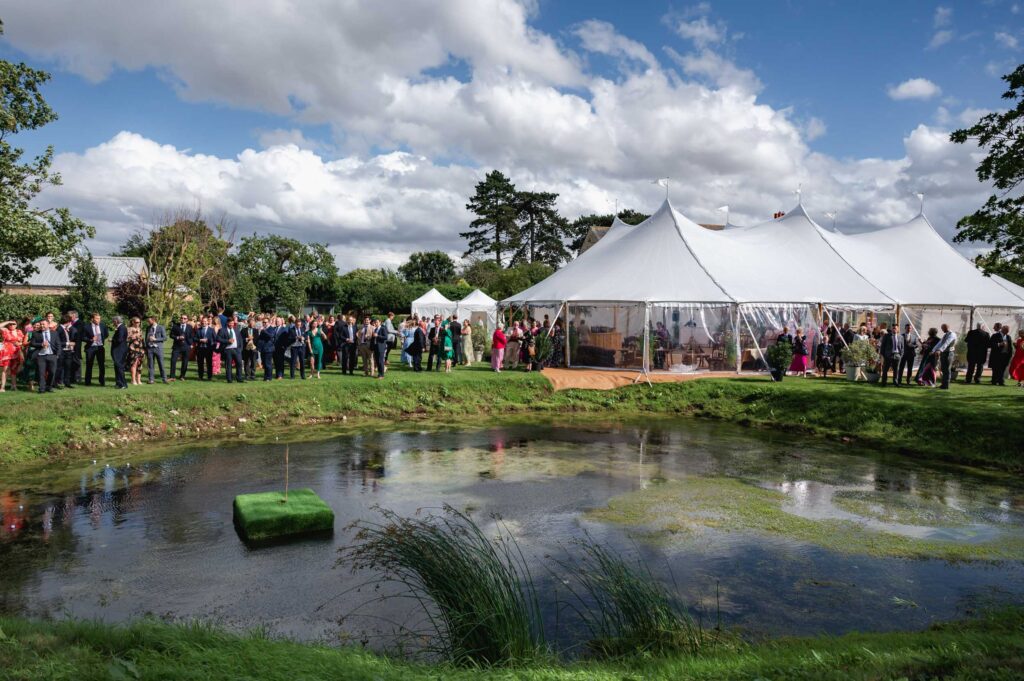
769,533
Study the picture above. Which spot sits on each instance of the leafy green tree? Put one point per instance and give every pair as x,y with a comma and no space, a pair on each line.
363,291
542,230
515,279
278,271
428,267
188,263
1000,222
580,226
88,291
137,246
481,273
494,230
27,232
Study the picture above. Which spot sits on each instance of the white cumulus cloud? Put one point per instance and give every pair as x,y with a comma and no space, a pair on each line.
915,88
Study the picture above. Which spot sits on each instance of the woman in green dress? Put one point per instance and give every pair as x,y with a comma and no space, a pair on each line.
448,347
315,343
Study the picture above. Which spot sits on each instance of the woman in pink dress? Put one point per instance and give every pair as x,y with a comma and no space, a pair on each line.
1017,363
498,342
799,364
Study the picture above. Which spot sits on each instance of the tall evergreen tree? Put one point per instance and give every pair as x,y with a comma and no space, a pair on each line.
1000,222
494,230
542,230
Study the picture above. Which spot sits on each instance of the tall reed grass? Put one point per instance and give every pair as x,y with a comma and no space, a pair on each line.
476,592
481,603
625,608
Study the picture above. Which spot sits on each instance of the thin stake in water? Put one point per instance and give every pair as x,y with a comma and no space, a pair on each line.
285,500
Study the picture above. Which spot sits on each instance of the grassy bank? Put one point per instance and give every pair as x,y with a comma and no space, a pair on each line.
978,425
991,647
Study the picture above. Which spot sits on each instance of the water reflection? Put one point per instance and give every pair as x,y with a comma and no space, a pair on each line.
158,537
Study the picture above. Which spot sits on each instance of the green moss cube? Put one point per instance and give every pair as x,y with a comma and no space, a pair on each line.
266,515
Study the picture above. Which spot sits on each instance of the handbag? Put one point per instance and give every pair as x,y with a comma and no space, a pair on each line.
532,351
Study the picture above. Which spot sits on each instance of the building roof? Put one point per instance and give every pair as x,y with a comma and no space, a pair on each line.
114,269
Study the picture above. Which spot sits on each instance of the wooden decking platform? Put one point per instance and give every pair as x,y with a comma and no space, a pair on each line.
598,379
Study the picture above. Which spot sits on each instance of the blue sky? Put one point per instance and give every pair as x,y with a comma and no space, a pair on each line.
739,102
829,60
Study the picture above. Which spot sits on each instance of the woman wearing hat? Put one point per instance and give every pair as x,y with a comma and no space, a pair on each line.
8,349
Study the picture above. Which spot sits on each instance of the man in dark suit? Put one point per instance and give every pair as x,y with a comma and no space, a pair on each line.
67,339
266,343
892,354
182,337
415,349
247,333
155,337
910,344
93,337
282,342
297,356
1000,349
204,341
119,352
44,342
434,342
345,338
231,350
977,352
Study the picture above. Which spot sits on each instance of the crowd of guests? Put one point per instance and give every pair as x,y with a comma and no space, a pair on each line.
896,352
48,354
517,345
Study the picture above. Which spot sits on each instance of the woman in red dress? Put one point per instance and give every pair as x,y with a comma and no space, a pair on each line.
1017,364
8,349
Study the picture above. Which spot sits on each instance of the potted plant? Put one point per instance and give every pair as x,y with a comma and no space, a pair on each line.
779,357
858,356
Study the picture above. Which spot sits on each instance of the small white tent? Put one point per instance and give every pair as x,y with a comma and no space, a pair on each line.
479,307
433,303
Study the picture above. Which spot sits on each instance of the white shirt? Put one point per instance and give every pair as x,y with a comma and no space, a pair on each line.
97,337
48,349
947,342
233,343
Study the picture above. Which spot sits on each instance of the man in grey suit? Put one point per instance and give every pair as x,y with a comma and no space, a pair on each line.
155,337
891,349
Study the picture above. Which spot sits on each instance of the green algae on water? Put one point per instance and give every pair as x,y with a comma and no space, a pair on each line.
692,506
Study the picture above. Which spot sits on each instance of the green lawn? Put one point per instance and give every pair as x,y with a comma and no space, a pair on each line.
991,647
970,424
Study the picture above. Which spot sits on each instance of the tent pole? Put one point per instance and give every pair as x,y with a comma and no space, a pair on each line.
736,339
970,324
645,362
565,343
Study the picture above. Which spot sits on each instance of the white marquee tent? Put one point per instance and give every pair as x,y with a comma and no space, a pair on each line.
433,303
669,293
479,307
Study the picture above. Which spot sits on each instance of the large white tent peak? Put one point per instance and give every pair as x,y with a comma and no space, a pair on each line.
915,266
779,262
433,302
650,262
